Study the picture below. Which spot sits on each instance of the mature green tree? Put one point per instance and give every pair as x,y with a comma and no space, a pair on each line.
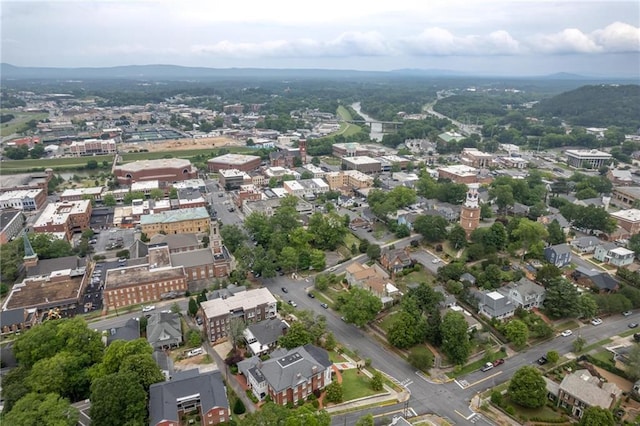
116,353
374,251
633,362
556,234
376,381
156,194
42,409
587,306
235,332
457,237
145,368
193,307
407,329
420,358
361,306
634,244
133,195
118,399
432,228
289,259
65,374
328,230
528,233
297,335
495,238
456,344
561,300
14,386
553,356
503,196
597,416
527,387
233,237
109,200
366,420
547,274
517,332
425,297
578,344
334,392
315,325
317,259
485,211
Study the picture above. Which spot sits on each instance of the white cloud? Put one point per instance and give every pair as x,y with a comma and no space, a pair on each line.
618,37
440,42
570,40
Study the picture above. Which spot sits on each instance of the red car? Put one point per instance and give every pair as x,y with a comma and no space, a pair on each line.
498,362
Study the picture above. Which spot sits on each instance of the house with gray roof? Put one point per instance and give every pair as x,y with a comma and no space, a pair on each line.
612,254
493,304
524,293
189,393
263,336
586,244
177,242
289,376
558,255
164,362
17,319
580,390
164,330
598,280
129,331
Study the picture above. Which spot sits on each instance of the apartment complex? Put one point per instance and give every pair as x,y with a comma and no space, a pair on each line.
348,180
92,146
184,221
64,218
251,306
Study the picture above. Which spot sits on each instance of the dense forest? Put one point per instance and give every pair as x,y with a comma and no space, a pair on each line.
596,106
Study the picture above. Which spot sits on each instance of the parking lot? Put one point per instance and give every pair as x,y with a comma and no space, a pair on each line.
112,240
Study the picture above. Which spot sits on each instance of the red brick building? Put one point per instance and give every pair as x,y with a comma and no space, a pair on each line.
66,217
244,163
166,170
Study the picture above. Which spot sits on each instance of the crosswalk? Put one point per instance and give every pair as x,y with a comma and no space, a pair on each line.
474,418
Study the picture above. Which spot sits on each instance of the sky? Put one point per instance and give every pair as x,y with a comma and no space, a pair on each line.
503,37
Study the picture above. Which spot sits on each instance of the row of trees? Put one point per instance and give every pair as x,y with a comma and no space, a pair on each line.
63,361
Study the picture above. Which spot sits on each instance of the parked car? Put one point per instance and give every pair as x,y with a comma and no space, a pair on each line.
284,290
542,360
627,313
324,305
596,321
199,321
566,333
636,337
292,303
311,295
148,308
488,366
194,352
498,362
633,325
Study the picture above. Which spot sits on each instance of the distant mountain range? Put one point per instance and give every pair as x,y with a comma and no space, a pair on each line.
176,72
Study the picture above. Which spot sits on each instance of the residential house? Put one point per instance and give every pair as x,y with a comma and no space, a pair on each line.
468,278
582,389
128,332
599,280
612,254
396,260
263,337
189,393
564,223
585,244
525,293
164,362
288,376
558,255
374,279
164,330
407,219
359,222
493,304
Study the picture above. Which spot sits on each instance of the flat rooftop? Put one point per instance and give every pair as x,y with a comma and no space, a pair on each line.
19,193
241,300
235,159
43,292
58,213
587,153
630,215
171,163
172,216
136,275
362,159
96,190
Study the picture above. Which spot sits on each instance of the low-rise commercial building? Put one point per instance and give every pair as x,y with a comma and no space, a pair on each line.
23,199
92,146
362,164
244,163
625,196
167,170
231,179
476,158
629,220
77,194
66,218
459,174
579,158
11,224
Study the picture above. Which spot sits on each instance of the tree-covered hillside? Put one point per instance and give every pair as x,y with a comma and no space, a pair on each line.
596,106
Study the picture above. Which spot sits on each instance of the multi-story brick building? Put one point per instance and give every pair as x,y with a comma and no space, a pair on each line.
183,221
476,158
231,179
250,306
166,170
288,376
65,217
23,199
92,146
625,196
629,220
459,174
244,163
362,164
348,180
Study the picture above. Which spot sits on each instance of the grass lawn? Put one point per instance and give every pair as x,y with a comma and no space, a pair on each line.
567,325
344,113
544,412
388,319
20,166
332,161
628,333
474,366
356,385
336,357
20,118
604,356
423,275
596,345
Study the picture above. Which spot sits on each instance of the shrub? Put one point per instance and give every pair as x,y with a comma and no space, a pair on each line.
315,403
510,410
233,359
251,396
238,407
334,392
496,398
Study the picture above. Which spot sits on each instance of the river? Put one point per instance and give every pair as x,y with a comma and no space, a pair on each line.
376,127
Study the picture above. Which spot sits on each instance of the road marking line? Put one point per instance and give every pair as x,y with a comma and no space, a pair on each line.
485,379
470,416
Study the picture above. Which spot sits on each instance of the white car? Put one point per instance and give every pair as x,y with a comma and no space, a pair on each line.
566,333
596,321
436,260
148,308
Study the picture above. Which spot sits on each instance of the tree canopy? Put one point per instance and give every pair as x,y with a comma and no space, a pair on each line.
527,387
